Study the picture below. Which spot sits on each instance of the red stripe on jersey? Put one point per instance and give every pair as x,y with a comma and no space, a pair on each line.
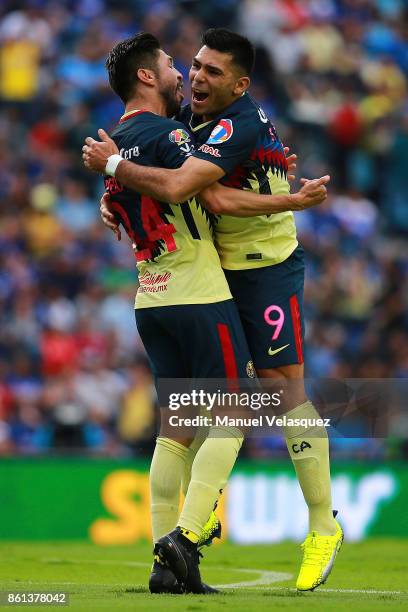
140,255
297,327
230,364
131,114
125,219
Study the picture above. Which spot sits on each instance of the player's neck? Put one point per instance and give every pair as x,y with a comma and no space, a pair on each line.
152,104
208,118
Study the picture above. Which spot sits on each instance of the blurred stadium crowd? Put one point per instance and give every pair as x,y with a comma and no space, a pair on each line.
333,76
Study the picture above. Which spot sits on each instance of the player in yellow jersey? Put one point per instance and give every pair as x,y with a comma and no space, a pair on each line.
237,145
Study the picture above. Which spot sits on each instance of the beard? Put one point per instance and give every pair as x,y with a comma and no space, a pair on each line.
169,95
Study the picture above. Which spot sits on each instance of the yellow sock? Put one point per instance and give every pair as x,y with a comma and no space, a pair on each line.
165,479
192,450
308,447
209,474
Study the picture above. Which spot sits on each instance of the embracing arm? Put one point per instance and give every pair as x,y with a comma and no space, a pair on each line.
194,176
222,200
169,185
160,183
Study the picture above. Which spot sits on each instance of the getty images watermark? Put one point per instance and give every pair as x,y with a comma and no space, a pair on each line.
347,408
224,399
207,401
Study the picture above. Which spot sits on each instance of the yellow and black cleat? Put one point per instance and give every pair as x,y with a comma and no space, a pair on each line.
212,529
319,555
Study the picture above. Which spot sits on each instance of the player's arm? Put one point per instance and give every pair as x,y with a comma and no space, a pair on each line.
161,183
169,185
222,200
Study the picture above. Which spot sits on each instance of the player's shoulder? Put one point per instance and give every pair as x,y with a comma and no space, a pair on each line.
151,128
244,118
250,110
175,128
240,124
167,124
139,121
133,126
243,108
173,142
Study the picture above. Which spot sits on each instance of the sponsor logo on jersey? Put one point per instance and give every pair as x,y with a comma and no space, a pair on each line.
250,370
221,133
210,150
154,283
112,185
179,136
129,153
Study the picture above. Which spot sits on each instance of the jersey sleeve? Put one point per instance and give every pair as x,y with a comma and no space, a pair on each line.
175,144
230,143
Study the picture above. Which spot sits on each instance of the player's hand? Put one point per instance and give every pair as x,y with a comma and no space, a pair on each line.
95,154
291,159
312,193
108,217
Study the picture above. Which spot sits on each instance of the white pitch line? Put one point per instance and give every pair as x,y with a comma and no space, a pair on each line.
365,591
323,590
266,577
259,588
98,561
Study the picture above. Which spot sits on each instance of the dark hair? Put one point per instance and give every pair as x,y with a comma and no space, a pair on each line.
225,41
125,59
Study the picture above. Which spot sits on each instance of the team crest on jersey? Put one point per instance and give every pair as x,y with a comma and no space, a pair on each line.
221,133
179,136
250,370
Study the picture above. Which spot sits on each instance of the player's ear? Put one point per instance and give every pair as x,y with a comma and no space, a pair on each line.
146,76
241,85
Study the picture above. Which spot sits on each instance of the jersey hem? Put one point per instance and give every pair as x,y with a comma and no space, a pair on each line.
207,300
250,265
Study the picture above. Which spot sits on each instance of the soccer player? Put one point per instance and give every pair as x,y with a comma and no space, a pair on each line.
185,315
263,262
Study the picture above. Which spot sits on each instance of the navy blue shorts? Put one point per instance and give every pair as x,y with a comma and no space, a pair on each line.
270,304
195,341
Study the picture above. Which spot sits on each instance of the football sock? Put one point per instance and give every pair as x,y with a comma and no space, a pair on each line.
165,479
209,474
308,447
191,453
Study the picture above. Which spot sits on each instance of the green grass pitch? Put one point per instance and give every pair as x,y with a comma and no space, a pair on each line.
367,576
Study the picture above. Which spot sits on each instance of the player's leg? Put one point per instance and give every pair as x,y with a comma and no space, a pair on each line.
273,323
308,448
223,343
213,528
168,462
219,351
